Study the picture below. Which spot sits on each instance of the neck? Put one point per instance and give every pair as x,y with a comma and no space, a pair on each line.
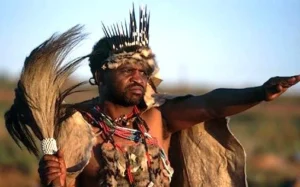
114,110
111,108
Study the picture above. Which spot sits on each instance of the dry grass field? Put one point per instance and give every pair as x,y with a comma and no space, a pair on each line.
269,132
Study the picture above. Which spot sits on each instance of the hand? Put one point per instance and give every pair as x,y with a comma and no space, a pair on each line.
276,86
52,170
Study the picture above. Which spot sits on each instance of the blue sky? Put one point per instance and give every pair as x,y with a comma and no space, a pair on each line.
233,43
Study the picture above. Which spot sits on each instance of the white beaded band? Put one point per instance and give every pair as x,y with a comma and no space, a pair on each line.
49,146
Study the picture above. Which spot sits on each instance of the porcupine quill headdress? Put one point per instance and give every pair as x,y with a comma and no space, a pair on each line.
130,43
38,98
132,36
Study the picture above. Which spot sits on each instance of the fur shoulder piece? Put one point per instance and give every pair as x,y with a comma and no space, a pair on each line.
76,140
217,159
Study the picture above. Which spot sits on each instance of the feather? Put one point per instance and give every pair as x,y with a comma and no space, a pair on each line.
37,108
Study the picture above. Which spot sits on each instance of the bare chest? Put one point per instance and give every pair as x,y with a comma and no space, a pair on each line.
117,162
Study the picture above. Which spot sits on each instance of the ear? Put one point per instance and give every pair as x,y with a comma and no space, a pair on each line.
101,77
98,77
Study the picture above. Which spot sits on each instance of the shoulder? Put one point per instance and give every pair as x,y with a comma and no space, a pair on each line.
151,114
177,98
75,113
170,103
87,104
86,111
163,105
157,124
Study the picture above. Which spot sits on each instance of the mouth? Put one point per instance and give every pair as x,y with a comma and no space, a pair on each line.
138,90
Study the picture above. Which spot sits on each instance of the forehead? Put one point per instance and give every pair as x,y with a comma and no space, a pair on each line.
140,66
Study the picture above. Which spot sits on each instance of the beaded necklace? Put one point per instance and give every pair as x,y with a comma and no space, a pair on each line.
110,128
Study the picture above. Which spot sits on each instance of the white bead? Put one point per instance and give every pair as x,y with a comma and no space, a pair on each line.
49,146
150,184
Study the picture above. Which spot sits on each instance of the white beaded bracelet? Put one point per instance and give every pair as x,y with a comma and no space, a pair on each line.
49,146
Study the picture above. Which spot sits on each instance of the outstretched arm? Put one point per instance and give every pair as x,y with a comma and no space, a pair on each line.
185,112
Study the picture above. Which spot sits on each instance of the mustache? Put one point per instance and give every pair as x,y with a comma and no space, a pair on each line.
135,85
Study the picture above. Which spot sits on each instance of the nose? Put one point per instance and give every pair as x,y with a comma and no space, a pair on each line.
137,76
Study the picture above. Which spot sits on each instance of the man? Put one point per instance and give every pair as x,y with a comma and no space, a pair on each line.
133,127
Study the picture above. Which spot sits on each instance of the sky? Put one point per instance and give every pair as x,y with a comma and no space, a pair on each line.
216,43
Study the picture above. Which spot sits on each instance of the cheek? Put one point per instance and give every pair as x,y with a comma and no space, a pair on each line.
116,80
121,84
145,82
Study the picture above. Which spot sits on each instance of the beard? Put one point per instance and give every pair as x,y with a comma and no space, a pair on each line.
125,97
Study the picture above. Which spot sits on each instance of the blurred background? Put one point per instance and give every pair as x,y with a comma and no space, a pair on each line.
199,45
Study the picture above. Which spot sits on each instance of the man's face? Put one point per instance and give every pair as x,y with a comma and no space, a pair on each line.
126,85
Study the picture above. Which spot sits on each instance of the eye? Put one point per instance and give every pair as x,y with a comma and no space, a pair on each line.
127,71
144,74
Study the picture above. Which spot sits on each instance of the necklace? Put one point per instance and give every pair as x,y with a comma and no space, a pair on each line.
139,133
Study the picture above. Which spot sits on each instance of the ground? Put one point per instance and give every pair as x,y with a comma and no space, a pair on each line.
269,132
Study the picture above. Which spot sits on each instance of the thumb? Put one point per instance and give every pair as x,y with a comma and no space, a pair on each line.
60,154
62,179
279,88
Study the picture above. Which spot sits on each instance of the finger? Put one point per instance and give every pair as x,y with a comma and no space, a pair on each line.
297,78
61,159
50,164
63,166
48,178
286,84
52,177
274,81
282,89
279,88
48,168
291,80
49,157
60,154
288,79
53,170
47,171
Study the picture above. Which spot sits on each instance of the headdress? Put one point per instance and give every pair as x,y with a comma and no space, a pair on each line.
130,44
